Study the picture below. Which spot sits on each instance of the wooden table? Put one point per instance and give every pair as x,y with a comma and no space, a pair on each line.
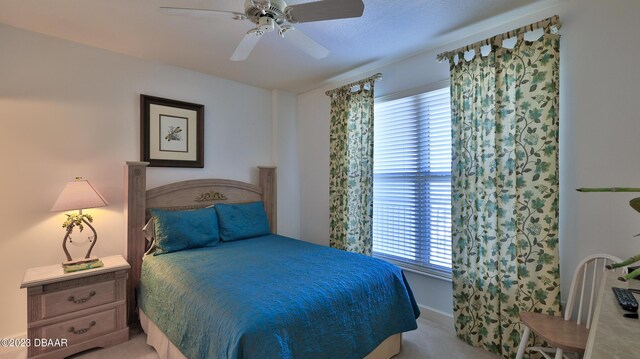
613,336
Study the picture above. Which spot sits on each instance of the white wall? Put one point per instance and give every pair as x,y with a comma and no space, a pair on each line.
600,128
599,132
285,154
70,110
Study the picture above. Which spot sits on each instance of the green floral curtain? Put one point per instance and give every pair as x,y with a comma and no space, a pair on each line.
505,191
351,170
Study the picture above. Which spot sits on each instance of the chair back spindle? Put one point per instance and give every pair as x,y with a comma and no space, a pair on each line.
586,280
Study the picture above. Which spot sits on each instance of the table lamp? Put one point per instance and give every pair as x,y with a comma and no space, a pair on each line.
78,195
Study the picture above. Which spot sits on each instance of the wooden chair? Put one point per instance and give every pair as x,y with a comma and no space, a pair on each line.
567,334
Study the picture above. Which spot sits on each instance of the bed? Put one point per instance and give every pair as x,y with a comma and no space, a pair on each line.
266,296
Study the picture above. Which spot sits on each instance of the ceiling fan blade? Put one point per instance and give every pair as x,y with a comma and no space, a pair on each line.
303,42
324,10
249,41
203,13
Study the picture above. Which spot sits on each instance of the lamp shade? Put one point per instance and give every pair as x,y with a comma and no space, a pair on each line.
78,194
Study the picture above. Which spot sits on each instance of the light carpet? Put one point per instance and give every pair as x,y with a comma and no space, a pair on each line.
430,340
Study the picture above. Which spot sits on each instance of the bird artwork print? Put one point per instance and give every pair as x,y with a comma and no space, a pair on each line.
174,134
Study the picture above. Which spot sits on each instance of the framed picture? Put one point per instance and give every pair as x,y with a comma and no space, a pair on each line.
171,132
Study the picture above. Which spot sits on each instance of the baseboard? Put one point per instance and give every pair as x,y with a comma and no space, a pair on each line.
435,315
13,351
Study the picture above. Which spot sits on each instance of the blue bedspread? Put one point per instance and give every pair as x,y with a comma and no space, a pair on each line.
275,297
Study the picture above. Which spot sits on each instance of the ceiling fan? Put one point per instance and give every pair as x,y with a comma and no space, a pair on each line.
271,15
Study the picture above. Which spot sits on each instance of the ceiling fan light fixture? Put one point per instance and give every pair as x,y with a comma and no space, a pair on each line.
266,24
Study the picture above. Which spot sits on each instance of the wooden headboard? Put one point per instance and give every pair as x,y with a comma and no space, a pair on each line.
183,195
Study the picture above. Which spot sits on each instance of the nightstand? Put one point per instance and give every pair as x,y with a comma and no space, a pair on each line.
71,312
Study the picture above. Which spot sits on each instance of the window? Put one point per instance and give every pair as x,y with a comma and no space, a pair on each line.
412,182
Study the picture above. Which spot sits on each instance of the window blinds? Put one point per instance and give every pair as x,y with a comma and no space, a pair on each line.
412,182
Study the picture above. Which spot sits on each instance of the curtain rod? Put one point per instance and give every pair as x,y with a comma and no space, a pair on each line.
553,23
375,77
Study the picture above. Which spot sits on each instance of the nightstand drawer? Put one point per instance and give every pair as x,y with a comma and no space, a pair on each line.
81,329
75,299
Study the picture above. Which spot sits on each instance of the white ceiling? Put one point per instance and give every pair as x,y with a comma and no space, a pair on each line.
388,30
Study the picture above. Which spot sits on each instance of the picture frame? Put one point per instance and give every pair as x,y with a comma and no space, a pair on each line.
171,132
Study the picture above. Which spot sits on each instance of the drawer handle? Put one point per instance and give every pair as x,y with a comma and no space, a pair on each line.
81,300
82,331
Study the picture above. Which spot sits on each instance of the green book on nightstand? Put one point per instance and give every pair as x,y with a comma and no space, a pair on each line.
83,266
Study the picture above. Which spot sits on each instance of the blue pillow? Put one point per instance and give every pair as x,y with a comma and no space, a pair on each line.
178,230
241,221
